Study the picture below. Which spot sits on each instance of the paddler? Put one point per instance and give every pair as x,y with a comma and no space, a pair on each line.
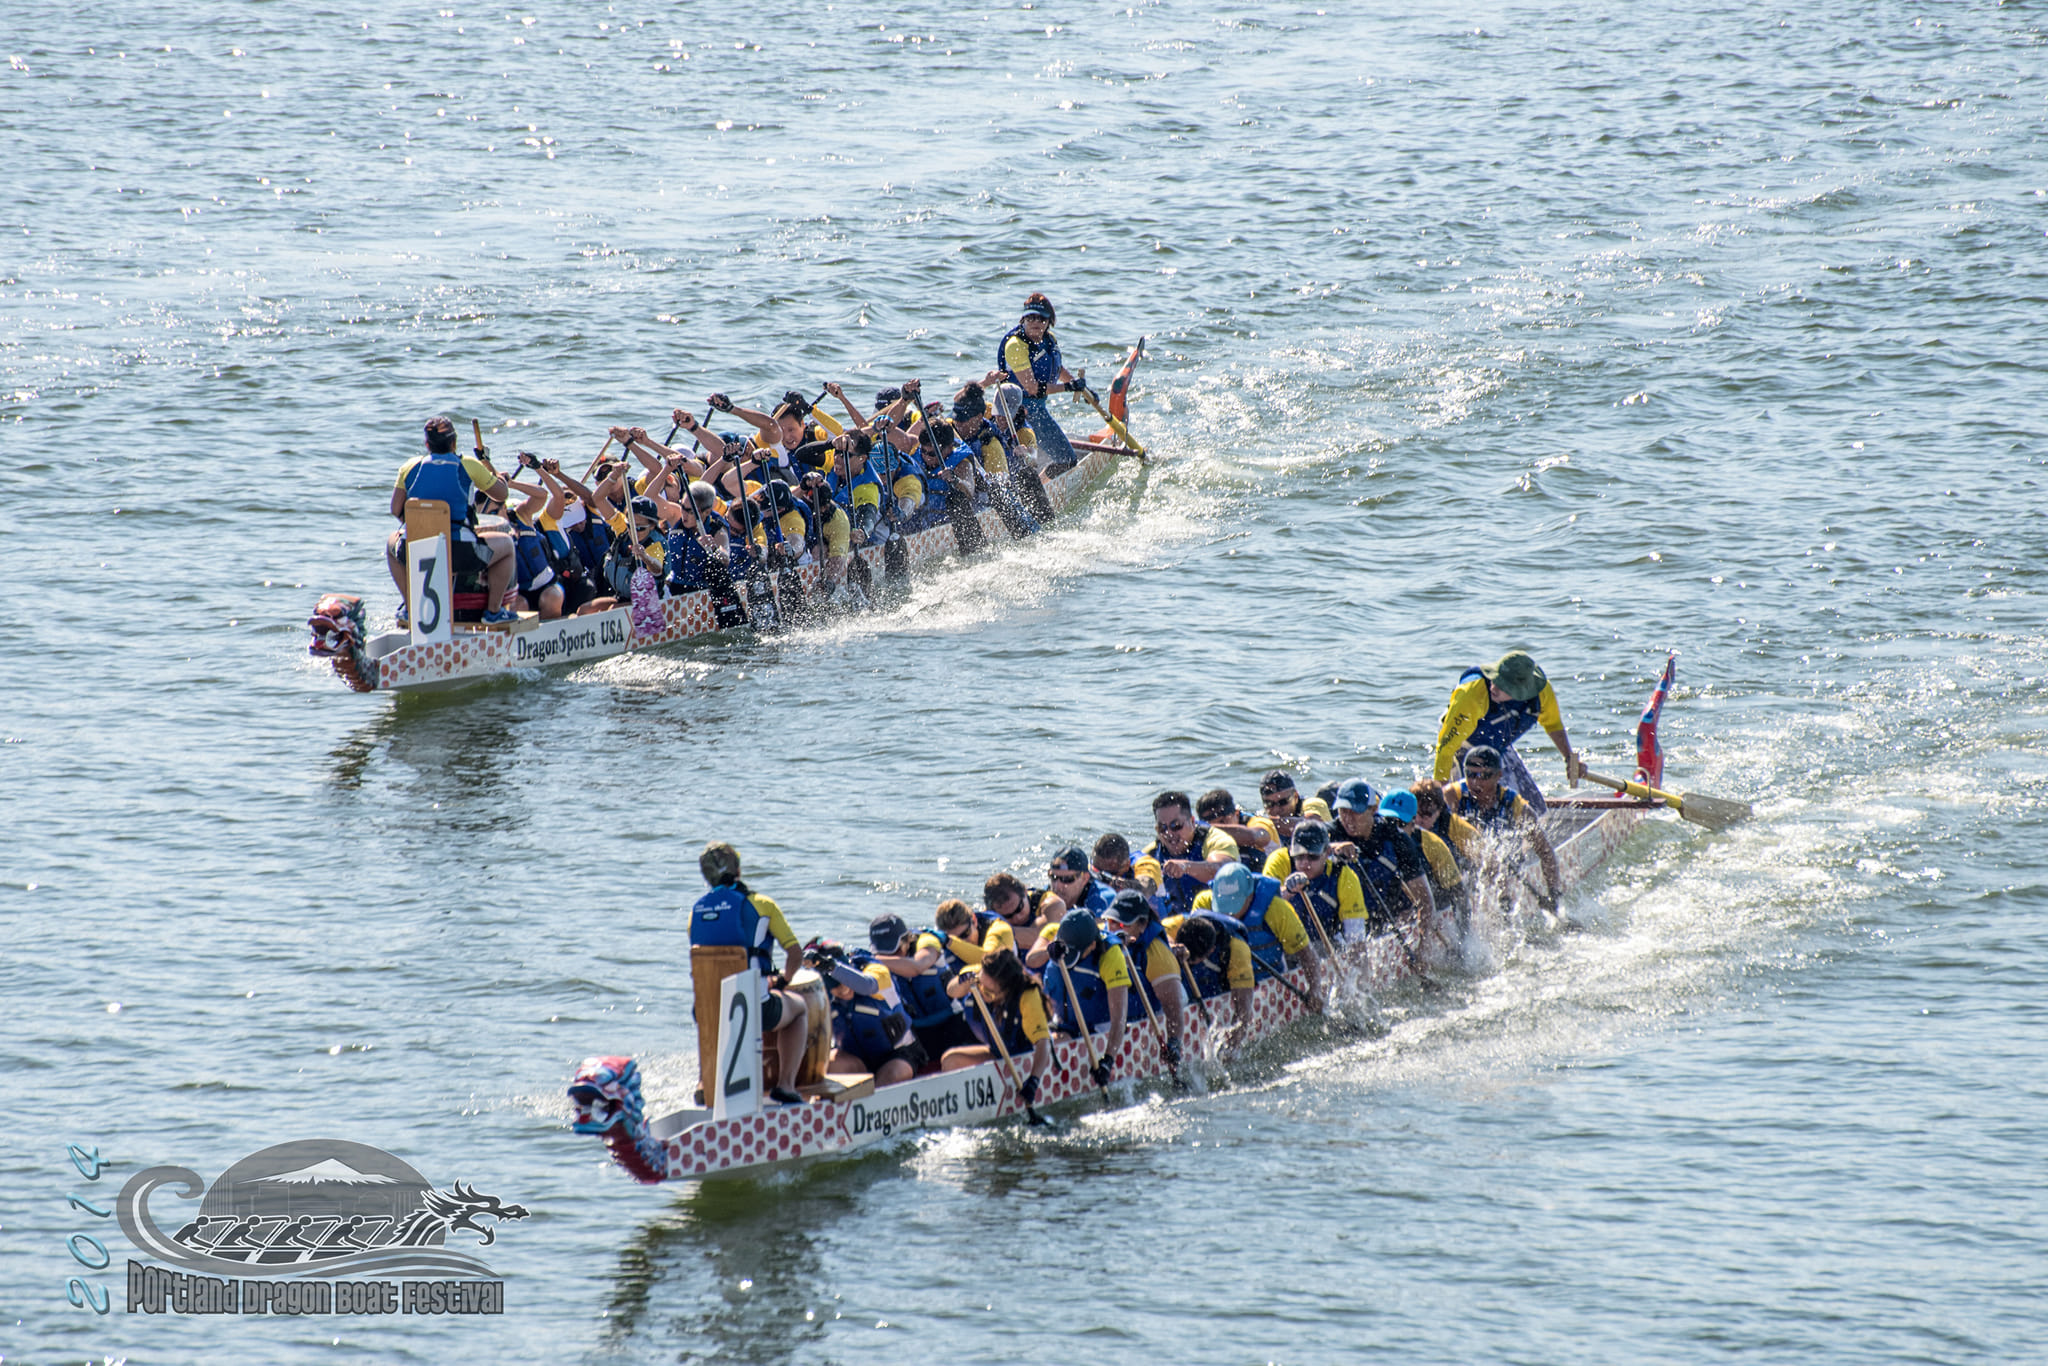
442,476
1255,836
1094,962
871,1031
979,437
923,967
1282,801
1111,862
1500,811
1187,853
1022,916
1317,884
1446,882
1494,705
731,916
1217,956
1075,882
1272,931
1029,357
1158,970
1391,871
1022,1019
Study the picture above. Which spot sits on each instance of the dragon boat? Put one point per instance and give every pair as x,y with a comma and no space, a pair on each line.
849,1113
391,661
465,652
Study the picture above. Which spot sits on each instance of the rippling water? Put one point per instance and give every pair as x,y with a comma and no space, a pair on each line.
1607,331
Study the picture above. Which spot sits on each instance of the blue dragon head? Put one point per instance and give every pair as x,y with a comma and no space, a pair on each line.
606,1094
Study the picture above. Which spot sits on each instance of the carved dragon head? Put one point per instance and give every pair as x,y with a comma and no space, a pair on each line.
606,1094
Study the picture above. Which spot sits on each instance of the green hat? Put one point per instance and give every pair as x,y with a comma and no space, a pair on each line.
1517,675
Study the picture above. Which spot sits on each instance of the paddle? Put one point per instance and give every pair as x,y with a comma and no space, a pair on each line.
1715,813
1145,999
996,1037
1087,1036
592,467
1116,425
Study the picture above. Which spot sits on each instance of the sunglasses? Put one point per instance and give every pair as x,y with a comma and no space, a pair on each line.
1069,877
1481,771
1171,827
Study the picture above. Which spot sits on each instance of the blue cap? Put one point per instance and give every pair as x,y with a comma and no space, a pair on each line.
886,932
1356,794
1231,889
1399,804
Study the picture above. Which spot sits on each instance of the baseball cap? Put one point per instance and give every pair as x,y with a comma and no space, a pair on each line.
1399,804
1356,794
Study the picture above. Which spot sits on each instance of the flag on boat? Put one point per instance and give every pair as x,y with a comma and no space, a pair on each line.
1649,753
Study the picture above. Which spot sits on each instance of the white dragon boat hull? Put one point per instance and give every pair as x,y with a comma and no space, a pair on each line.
391,662
691,1144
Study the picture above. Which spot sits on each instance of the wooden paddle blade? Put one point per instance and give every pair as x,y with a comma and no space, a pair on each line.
1715,813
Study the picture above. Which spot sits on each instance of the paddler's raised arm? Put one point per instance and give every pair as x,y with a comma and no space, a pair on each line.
712,443
833,388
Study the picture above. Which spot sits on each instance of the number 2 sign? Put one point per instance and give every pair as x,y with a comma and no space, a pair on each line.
738,1090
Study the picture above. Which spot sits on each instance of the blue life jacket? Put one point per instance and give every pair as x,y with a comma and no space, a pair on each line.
1137,950
1501,818
1379,878
686,562
1010,1025
442,477
591,539
1092,996
868,1025
1045,356
1098,898
1504,722
1212,974
924,993
1320,895
1263,941
726,917
1180,892
533,570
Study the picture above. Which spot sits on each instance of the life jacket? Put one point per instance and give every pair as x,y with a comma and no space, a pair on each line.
871,1026
1091,1001
590,539
1379,878
1251,856
687,562
1181,891
1500,818
725,916
924,993
1097,899
532,569
1009,1020
1263,941
1320,895
442,477
1045,356
1504,722
1212,974
1136,951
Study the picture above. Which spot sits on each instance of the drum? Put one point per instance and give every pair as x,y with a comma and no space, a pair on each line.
818,1024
